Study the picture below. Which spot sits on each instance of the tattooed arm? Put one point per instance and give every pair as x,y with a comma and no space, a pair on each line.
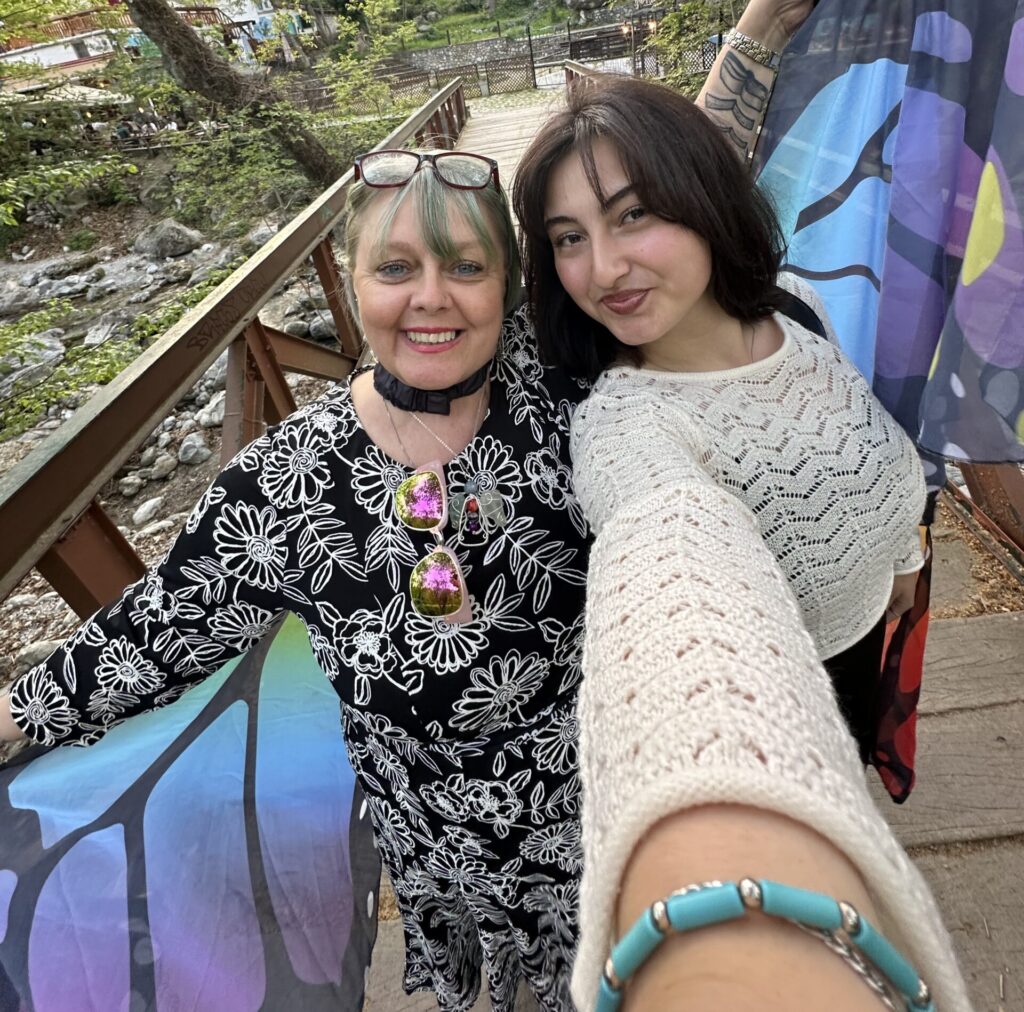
736,92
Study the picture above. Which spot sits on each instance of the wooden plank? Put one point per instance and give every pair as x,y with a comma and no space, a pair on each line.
504,136
970,779
972,662
980,891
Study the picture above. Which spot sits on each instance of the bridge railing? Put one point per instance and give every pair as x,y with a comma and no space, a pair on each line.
49,516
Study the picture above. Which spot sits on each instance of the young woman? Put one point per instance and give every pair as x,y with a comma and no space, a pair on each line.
742,482
655,265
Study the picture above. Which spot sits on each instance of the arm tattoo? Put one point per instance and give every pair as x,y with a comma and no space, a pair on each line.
740,102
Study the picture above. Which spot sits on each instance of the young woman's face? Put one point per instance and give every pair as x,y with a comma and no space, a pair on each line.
644,278
430,323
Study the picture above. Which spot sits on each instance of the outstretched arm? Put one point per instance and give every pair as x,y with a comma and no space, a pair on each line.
712,747
735,94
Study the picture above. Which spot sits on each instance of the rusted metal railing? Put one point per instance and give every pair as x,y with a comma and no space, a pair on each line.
49,517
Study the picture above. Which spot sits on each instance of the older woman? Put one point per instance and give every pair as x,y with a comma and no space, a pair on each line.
419,521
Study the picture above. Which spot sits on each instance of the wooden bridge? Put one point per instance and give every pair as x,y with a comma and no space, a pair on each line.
964,824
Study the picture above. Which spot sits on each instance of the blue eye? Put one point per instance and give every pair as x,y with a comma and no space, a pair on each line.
467,268
395,269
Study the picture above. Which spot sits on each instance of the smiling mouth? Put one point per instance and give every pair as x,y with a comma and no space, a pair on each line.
624,303
432,336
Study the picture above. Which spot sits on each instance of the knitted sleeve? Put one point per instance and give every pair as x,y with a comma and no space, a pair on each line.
697,658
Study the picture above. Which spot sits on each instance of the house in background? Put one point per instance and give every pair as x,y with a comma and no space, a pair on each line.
76,45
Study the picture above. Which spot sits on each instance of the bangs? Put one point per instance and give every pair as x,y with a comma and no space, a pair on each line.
434,204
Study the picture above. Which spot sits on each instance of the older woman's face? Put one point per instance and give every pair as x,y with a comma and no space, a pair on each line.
429,322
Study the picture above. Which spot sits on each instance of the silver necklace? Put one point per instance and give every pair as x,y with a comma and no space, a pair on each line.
477,510
452,453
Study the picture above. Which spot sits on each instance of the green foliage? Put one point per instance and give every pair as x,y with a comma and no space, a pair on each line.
166,315
51,184
681,40
368,35
82,239
14,337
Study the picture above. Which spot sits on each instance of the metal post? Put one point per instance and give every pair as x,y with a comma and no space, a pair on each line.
499,28
280,403
243,401
330,280
529,46
449,31
91,562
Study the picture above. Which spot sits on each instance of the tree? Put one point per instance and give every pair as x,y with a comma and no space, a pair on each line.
197,68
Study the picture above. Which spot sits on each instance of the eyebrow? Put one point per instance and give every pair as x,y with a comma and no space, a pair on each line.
610,201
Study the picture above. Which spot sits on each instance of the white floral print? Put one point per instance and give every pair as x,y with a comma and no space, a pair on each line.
298,473
39,706
251,544
240,625
497,696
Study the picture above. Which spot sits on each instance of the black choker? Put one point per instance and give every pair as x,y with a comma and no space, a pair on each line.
431,402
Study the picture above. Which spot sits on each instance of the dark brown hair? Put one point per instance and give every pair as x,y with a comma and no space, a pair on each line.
683,170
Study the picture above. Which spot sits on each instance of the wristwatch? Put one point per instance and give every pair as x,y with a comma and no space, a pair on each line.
758,52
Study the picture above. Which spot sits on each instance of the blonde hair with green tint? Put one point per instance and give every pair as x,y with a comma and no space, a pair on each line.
434,201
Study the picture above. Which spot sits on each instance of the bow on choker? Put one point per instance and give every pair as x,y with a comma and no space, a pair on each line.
432,402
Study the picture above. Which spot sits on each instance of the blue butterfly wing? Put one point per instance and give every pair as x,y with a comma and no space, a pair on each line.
213,854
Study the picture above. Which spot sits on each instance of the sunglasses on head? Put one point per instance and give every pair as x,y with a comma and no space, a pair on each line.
393,167
437,587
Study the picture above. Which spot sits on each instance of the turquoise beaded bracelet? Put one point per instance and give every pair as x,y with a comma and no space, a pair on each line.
699,906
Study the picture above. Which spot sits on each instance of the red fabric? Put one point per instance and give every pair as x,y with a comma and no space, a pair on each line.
900,687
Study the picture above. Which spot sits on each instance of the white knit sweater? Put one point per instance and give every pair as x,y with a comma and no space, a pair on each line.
834,483
701,685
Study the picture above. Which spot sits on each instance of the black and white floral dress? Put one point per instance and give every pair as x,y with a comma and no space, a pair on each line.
463,736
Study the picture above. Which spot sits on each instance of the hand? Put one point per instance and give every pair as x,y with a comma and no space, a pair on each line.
9,731
904,587
774,22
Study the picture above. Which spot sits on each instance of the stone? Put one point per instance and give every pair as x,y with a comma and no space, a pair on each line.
33,654
32,361
167,239
147,511
297,328
97,292
187,424
96,274
163,466
175,273
257,237
156,194
20,601
322,328
216,376
113,324
29,280
156,527
163,440
193,449
74,265
73,284
138,297
213,414
148,456
130,486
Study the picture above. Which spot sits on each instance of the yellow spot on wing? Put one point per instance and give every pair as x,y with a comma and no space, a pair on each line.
988,227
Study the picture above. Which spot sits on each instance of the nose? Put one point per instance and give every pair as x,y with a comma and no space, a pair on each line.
431,293
608,261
